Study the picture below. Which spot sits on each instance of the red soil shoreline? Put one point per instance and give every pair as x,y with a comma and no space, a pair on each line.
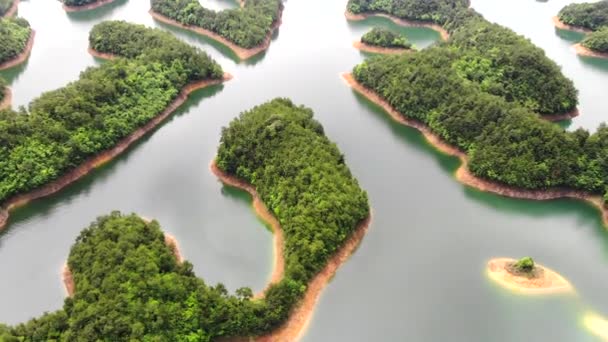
101,55
301,315
90,6
6,101
378,49
12,10
242,53
563,26
463,174
403,22
22,56
560,117
103,157
583,51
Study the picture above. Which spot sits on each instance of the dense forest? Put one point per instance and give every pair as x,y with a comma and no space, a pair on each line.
14,34
64,127
597,41
385,38
591,16
129,286
495,57
246,26
506,142
5,5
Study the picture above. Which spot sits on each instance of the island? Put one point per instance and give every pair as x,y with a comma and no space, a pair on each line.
589,18
70,131
122,270
16,41
246,30
84,5
384,41
8,8
526,276
466,96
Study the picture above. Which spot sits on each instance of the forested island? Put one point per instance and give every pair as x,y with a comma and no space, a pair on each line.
500,61
8,7
478,97
5,95
591,18
16,41
67,132
83,5
381,40
124,272
526,276
246,30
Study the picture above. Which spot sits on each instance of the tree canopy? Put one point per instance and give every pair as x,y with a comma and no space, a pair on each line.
591,15
64,127
597,41
130,287
385,38
246,26
14,34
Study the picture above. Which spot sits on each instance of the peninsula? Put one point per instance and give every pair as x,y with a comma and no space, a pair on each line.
16,42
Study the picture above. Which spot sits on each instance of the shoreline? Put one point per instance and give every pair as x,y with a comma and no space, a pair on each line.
242,53
101,55
103,157
68,279
12,10
463,174
563,26
301,315
586,52
445,35
550,282
379,49
560,117
24,55
94,5
7,100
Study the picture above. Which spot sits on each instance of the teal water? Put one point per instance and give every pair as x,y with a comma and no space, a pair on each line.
419,274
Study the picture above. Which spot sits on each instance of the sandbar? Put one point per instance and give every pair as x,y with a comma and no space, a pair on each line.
87,7
20,58
301,315
463,174
379,49
583,51
544,280
242,53
105,156
402,22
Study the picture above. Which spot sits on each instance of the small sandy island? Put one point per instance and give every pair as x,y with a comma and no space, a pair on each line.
6,101
539,280
379,49
301,315
402,22
90,6
20,58
583,51
597,324
242,53
563,26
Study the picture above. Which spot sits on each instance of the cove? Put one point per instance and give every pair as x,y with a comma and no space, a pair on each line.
425,257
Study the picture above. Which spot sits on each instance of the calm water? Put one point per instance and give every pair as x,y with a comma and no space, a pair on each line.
419,274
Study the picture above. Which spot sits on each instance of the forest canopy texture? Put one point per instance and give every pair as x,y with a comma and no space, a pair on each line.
500,61
597,41
246,26
129,286
476,92
64,127
385,38
14,35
